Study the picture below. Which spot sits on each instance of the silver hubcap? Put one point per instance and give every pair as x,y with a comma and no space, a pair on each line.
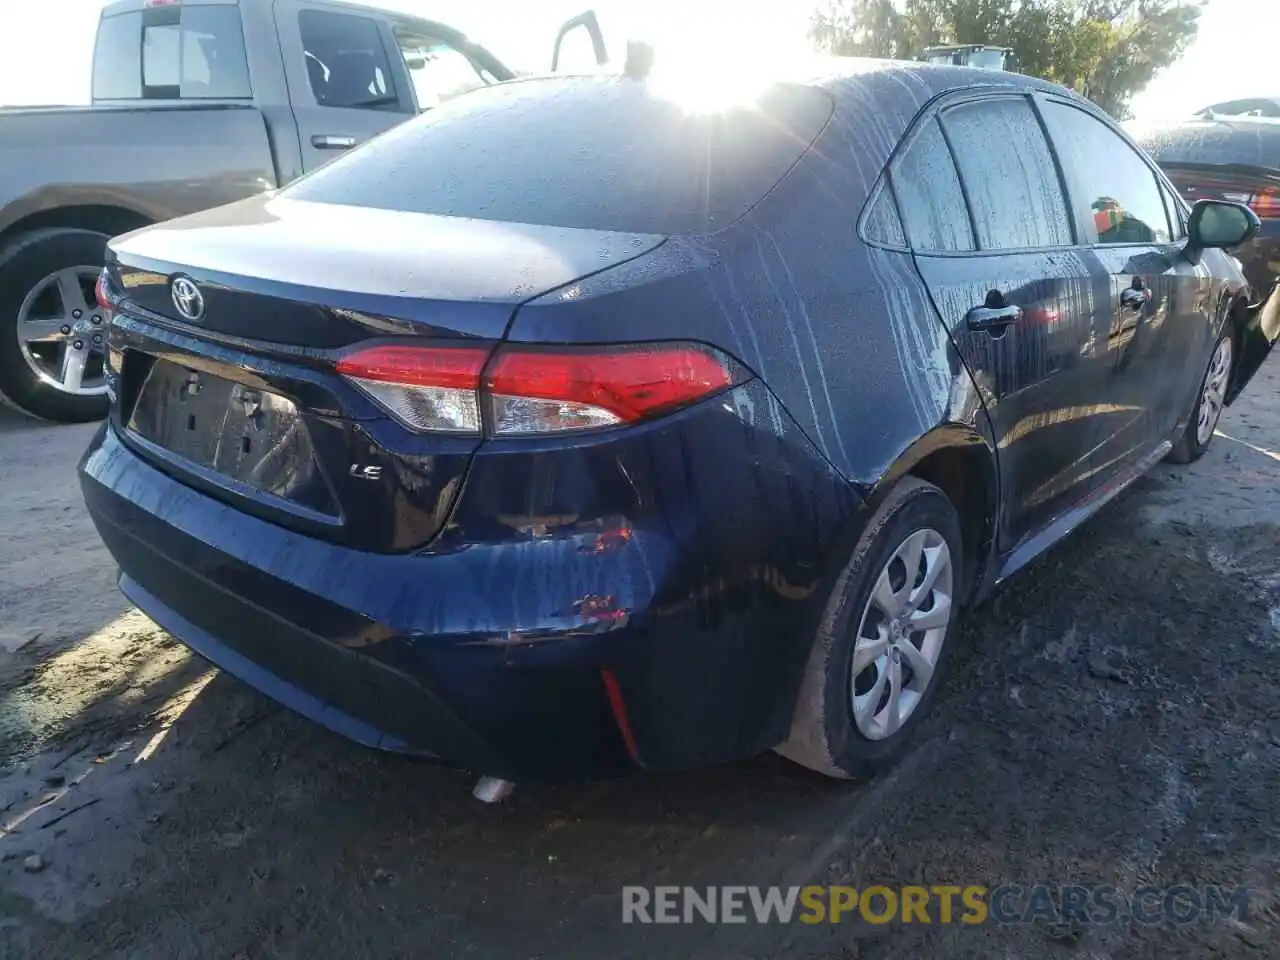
62,334
903,627
1213,392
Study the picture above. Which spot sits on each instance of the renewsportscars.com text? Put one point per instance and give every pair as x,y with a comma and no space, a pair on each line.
943,903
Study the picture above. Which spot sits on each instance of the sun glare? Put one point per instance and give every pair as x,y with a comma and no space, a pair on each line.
706,62
696,87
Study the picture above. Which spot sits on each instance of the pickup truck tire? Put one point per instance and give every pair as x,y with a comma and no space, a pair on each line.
30,287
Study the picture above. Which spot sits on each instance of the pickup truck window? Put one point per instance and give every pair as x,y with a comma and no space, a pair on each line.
192,53
346,61
438,71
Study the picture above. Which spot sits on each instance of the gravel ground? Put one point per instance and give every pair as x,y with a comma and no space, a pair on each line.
1111,719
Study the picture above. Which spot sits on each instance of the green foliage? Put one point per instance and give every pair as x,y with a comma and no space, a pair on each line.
1106,49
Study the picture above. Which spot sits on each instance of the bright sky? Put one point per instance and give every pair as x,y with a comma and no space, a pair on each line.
46,45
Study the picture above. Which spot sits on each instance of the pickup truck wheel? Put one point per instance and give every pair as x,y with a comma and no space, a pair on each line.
52,334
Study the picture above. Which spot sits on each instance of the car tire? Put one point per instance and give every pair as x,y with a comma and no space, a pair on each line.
826,736
25,264
1197,436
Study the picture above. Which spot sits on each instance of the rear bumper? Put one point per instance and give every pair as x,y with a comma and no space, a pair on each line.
548,655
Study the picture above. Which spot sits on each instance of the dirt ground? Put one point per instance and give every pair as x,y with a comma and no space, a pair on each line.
1112,718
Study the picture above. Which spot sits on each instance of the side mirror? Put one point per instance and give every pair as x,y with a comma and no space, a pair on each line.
1218,223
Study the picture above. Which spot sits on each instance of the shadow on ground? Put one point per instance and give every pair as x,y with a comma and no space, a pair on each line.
1112,717
1096,729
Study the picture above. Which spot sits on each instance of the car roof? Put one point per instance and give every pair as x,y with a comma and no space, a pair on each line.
346,6
1254,141
1224,107
843,74
876,102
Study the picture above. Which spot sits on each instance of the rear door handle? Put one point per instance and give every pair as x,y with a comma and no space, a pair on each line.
993,318
325,141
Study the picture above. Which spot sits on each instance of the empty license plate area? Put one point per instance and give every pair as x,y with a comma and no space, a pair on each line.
246,434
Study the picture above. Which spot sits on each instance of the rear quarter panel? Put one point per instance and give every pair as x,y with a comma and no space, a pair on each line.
158,162
844,334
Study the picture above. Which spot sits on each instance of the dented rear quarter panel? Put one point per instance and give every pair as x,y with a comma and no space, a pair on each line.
843,333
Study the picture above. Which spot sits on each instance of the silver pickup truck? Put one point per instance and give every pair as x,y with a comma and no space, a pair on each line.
196,103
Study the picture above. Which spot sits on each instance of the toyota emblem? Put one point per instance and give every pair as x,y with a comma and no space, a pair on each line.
188,298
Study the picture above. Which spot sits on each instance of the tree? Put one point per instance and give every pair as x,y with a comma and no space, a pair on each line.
1107,50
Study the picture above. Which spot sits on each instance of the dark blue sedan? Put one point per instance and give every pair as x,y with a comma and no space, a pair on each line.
567,430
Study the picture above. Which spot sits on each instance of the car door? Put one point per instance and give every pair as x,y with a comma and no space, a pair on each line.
584,27
985,215
439,63
1158,316
342,83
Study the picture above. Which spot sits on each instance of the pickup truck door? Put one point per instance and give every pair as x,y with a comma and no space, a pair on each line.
588,23
345,76
353,73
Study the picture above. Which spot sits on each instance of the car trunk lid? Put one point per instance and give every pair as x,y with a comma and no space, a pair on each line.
238,394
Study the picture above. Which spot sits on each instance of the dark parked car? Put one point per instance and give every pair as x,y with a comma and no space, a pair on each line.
567,430
1246,107
1238,160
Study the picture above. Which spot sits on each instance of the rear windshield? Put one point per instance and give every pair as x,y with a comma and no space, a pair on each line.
1252,142
172,52
596,153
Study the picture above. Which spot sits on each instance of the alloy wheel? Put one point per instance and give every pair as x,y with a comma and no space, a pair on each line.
900,636
1213,392
62,332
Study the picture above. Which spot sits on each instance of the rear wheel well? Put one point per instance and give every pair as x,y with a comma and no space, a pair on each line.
1238,317
108,220
966,475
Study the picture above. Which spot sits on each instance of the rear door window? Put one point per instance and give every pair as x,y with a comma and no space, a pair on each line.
347,63
1113,189
930,198
883,225
1009,175
190,52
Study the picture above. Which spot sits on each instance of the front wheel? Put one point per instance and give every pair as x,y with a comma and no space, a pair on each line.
884,641
1210,400
52,334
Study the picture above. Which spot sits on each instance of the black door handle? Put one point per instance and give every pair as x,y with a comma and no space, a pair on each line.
993,318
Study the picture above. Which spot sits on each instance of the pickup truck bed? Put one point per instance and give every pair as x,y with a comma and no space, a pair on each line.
153,162
197,103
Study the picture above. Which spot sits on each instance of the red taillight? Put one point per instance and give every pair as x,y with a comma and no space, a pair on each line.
450,367
536,391
530,390
162,3
1266,203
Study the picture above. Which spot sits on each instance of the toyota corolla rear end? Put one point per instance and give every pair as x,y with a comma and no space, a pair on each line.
334,466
